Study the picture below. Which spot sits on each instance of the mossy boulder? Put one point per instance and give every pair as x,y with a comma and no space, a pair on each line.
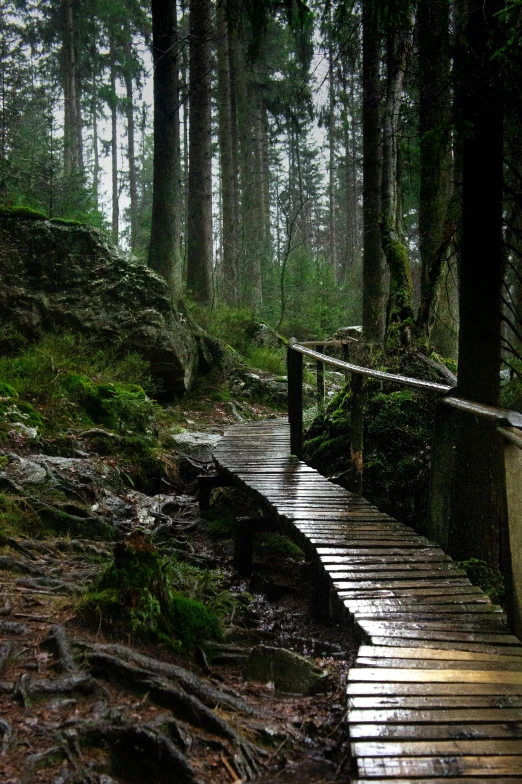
57,275
288,671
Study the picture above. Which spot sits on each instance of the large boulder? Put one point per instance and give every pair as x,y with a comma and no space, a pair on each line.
60,275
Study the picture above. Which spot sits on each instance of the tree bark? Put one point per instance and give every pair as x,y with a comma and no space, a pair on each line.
435,151
199,255
72,129
373,283
164,252
332,239
114,149
478,505
131,152
228,171
400,307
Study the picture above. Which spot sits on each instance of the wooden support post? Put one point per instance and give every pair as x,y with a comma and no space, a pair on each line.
320,378
356,430
441,475
295,400
247,527
346,358
207,483
511,538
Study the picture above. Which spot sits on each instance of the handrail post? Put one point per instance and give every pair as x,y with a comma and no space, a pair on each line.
346,358
357,430
320,378
295,399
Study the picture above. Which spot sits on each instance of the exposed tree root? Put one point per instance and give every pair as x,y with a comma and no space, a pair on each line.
6,608
7,732
185,706
54,585
5,651
12,627
13,565
58,642
186,679
146,747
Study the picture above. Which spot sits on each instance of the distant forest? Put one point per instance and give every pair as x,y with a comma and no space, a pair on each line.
303,162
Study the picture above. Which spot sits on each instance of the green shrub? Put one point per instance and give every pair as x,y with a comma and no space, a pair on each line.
272,360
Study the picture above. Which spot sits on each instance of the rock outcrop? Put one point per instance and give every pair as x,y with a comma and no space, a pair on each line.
58,275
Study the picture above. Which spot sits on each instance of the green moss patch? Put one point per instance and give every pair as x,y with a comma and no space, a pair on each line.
486,577
138,591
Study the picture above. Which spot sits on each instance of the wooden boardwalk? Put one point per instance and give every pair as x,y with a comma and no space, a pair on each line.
436,693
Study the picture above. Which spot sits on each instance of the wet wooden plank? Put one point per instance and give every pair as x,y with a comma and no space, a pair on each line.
383,675
440,732
478,765
446,780
442,716
441,702
438,748
450,644
432,653
439,664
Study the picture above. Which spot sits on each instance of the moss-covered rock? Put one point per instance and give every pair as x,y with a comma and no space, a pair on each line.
66,276
288,671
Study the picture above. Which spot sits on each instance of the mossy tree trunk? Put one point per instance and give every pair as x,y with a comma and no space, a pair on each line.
373,271
435,152
400,304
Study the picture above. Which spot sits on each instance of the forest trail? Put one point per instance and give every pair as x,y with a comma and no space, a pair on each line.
436,691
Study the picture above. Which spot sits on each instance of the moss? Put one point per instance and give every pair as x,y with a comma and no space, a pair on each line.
22,212
220,524
398,425
14,410
115,405
136,591
485,577
400,313
277,544
6,390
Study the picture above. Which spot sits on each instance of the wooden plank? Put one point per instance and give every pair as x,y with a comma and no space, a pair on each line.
391,675
438,732
446,780
444,716
441,636
444,702
431,653
438,748
478,765
450,644
439,664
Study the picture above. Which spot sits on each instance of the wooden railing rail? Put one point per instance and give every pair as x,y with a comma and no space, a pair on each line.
505,422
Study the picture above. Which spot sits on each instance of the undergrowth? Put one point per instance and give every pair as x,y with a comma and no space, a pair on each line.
486,577
67,378
159,598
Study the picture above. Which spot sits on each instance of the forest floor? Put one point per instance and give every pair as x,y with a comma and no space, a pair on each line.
88,702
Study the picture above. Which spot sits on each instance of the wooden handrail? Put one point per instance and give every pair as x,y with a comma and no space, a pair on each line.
344,342
429,386
509,436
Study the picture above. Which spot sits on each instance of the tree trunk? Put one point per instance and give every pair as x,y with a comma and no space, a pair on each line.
332,239
199,256
133,187
400,307
96,154
435,152
477,508
72,126
164,251
114,150
373,284
228,171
